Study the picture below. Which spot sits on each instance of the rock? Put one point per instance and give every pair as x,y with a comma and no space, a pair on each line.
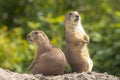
8,75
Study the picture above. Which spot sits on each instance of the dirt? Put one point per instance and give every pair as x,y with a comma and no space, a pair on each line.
9,75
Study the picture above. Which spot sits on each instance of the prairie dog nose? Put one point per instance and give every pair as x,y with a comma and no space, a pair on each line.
28,36
76,18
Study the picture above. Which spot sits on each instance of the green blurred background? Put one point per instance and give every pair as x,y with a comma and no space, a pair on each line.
100,19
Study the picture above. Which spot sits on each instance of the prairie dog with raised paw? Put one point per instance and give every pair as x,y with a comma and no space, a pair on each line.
76,44
48,59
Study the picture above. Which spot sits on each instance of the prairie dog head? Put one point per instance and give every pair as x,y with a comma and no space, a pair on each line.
37,37
72,17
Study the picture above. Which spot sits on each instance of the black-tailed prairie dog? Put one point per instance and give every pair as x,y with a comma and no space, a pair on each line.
76,44
48,59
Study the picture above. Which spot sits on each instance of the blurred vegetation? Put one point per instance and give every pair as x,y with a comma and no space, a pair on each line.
100,19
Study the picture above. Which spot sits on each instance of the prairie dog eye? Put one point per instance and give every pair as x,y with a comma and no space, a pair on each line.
70,13
77,16
36,32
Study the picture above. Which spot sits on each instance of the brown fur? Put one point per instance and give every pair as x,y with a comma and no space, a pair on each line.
76,44
48,60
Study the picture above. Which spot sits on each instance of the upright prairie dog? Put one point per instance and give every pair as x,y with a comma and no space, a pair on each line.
48,59
76,44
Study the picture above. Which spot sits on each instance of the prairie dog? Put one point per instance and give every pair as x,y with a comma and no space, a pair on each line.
76,44
48,59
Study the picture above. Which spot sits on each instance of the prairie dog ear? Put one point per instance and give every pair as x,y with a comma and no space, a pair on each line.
86,38
44,35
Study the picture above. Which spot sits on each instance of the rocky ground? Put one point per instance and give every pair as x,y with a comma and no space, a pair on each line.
8,75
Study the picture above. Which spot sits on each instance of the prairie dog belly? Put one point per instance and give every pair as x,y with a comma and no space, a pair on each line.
76,44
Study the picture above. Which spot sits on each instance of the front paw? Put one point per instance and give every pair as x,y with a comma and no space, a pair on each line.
86,39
